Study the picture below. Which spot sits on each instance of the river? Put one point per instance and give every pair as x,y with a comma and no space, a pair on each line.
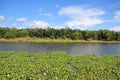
71,48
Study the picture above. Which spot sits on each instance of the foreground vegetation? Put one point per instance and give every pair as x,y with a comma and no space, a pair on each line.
63,34
58,66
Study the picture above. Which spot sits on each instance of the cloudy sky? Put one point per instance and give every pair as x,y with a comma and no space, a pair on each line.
75,14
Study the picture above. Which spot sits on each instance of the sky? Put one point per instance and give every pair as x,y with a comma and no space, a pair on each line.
74,14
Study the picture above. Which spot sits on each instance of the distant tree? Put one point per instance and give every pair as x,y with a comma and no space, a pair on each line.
77,35
118,36
108,35
94,35
100,35
3,31
113,35
33,32
23,33
86,34
11,33
65,33
8,35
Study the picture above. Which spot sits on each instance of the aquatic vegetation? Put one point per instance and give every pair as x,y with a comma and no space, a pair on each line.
58,66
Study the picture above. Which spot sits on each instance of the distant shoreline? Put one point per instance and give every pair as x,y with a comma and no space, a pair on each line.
41,40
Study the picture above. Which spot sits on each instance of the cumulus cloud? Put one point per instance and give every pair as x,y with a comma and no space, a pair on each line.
117,16
117,28
86,22
2,18
58,27
37,24
22,19
82,16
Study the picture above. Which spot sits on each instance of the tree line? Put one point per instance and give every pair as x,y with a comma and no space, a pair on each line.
66,33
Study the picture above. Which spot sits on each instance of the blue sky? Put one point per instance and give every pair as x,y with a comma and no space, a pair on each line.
75,14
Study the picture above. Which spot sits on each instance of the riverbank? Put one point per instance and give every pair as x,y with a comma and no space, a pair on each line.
58,66
41,40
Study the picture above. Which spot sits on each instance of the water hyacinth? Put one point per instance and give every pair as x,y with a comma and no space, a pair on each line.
8,75
58,66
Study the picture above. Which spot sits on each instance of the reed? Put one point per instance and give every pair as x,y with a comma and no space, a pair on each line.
47,40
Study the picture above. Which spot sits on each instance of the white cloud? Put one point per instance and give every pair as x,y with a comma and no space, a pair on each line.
22,19
2,18
79,11
15,24
82,16
46,14
117,28
86,22
58,27
37,24
117,16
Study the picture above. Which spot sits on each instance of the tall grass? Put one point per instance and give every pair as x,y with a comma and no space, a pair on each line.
47,40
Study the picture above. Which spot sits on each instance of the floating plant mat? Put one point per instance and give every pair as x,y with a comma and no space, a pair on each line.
58,66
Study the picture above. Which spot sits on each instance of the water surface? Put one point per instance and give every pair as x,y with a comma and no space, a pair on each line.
72,48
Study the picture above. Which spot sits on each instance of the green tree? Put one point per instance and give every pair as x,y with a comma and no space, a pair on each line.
77,35
8,35
86,34
23,33
118,36
11,33
94,35
3,31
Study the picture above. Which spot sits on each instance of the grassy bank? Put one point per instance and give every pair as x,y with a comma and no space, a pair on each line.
52,40
58,66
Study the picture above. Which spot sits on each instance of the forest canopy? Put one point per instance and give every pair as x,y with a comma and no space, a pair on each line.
66,33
